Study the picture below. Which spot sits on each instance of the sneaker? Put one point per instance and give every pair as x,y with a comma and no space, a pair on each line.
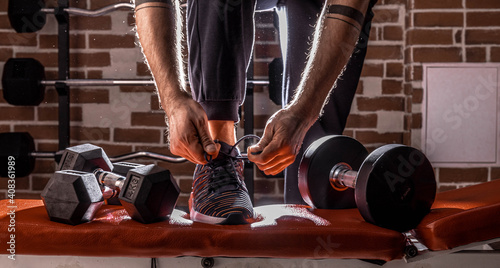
219,194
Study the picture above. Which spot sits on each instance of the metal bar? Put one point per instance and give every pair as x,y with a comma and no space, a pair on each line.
248,129
63,74
151,155
118,82
94,13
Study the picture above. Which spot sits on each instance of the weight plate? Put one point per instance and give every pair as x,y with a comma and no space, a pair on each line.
316,164
395,187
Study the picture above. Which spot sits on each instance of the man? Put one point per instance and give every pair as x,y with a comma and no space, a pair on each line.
220,35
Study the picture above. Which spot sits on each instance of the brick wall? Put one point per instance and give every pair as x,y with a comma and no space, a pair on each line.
387,107
449,31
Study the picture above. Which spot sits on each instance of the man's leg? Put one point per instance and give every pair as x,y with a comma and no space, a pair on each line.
301,16
220,43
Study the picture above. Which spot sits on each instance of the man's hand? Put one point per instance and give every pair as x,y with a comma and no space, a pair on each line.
280,144
188,130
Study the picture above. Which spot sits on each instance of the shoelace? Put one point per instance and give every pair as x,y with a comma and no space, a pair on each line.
224,172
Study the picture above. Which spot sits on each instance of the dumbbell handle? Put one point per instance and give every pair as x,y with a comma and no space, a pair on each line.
112,183
342,176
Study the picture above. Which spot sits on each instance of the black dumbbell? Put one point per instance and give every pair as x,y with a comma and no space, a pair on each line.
148,193
393,187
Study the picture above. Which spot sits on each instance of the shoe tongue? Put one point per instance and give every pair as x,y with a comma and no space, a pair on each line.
226,150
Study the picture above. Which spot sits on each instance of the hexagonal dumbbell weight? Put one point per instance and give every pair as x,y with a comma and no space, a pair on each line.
393,187
148,193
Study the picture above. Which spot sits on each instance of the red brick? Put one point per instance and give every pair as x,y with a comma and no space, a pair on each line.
143,69
21,183
47,59
425,37
261,68
51,41
372,69
495,54
444,188
417,95
94,74
18,113
148,119
111,41
424,4
98,59
51,114
4,5
393,33
431,19
260,121
18,39
137,135
417,73
458,36
155,103
368,137
44,166
380,104
78,3
476,54
137,89
463,174
4,22
483,4
392,86
267,51
25,195
96,4
114,149
362,121
430,54
394,69
384,52
478,19
80,95
416,121
482,37
90,23
4,128
81,133
6,53
39,132
186,185
384,15
131,19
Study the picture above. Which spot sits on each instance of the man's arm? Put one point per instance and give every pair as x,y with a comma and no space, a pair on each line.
335,36
159,30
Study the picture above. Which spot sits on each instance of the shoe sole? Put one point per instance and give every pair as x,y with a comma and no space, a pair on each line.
232,219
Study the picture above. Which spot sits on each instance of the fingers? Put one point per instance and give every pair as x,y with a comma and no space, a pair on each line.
208,145
273,159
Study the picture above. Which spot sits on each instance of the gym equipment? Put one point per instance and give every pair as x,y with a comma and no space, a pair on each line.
23,82
393,187
21,146
148,193
28,16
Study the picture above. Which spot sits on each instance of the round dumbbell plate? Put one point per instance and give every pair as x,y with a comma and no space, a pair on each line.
316,164
395,187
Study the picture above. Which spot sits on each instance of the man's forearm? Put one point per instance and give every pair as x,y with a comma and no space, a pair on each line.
336,34
159,30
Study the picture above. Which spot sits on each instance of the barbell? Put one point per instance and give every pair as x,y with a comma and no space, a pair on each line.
28,16
24,82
